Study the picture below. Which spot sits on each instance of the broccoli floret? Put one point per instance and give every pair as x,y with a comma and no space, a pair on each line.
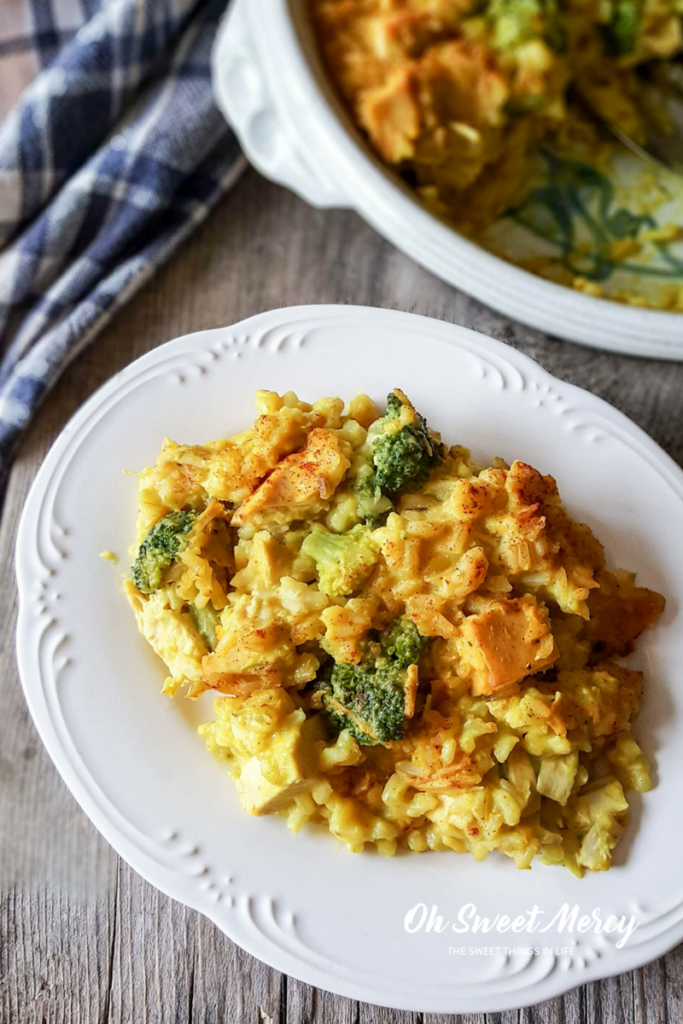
369,703
369,699
160,547
206,619
403,642
402,452
372,506
518,21
395,402
621,34
342,560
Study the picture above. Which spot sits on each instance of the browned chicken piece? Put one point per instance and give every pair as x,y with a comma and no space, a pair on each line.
527,487
300,483
461,81
392,116
412,113
248,660
619,613
536,496
506,643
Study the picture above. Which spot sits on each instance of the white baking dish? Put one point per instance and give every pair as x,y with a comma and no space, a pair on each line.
270,84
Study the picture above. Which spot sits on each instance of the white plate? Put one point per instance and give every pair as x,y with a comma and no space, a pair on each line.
269,83
133,759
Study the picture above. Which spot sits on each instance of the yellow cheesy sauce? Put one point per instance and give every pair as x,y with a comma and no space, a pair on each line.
414,650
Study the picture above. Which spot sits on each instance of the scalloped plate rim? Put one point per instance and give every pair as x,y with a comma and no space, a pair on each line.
172,882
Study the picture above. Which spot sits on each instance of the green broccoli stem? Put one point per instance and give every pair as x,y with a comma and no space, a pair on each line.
206,620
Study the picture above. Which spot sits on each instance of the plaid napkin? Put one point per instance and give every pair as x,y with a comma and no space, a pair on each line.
110,157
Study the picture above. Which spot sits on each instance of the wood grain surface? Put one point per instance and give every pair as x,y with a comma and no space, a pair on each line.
83,940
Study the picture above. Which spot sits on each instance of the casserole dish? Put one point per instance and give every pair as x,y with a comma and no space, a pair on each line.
270,83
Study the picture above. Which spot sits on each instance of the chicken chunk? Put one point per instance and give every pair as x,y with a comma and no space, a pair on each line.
173,636
619,613
274,767
259,796
300,484
506,643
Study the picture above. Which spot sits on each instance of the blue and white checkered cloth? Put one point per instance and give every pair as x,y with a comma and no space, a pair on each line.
109,158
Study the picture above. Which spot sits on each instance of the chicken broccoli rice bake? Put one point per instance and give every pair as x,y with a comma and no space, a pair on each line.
459,94
408,648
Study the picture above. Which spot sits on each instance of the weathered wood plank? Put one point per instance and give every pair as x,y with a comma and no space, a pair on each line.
83,940
308,1005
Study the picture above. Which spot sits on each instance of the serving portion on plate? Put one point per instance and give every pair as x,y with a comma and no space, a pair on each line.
390,618
413,650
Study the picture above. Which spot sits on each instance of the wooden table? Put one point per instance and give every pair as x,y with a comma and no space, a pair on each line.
83,940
